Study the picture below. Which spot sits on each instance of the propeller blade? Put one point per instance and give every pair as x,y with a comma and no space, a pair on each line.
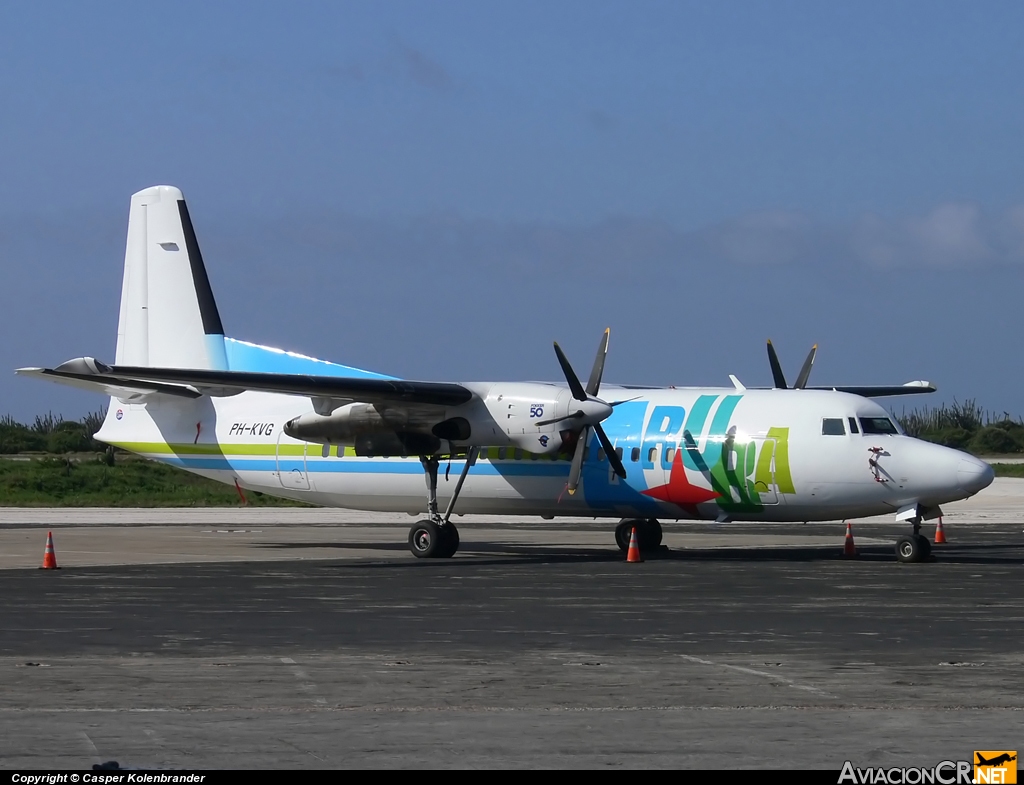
805,372
777,374
613,404
613,456
574,416
570,375
594,383
577,461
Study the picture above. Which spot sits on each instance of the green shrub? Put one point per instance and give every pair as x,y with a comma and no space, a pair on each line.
69,437
965,426
957,438
993,440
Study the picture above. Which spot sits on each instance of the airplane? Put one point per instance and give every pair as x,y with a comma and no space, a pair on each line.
260,418
996,761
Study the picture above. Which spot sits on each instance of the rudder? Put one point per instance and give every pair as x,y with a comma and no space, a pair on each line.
169,318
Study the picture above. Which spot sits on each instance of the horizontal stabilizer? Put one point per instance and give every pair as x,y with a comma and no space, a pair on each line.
76,373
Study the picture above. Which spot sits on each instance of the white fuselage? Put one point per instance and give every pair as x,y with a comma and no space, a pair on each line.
754,455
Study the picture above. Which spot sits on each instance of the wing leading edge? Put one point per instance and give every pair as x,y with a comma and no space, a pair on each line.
883,390
191,383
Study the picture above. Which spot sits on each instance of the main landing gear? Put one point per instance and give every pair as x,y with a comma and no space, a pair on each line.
436,537
648,533
912,548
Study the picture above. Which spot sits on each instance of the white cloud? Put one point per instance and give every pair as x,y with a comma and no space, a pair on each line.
951,235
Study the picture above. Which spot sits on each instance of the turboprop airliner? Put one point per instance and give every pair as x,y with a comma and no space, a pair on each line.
259,418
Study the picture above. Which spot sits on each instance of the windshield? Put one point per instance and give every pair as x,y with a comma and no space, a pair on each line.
882,425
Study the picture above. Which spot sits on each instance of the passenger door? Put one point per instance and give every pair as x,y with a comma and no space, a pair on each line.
291,463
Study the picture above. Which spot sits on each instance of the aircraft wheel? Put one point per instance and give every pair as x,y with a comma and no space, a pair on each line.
450,540
426,540
909,549
624,531
648,533
926,545
651,534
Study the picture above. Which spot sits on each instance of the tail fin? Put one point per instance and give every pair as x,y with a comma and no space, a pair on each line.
169,318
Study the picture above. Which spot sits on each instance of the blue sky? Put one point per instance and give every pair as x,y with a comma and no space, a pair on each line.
439,190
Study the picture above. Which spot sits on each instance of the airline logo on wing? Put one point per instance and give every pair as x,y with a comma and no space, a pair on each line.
995,766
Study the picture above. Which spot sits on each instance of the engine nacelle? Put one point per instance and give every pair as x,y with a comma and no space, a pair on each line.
505,414
341,426
515,409
373,431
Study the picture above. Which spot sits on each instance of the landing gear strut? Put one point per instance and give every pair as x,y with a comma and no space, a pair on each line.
436,537
912,548
648,533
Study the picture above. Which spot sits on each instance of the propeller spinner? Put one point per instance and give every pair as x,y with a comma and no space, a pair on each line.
590,411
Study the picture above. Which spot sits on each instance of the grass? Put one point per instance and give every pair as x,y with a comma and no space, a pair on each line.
130,482
1009,469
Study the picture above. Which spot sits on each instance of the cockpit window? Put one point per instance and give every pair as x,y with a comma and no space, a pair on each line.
832,426
878,425
853,424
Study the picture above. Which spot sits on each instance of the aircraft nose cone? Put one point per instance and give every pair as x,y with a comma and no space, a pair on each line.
973,475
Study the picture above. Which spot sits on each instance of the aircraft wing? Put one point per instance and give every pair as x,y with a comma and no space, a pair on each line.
92,374
366,390
880,391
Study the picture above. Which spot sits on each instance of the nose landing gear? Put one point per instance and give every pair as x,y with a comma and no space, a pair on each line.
913,548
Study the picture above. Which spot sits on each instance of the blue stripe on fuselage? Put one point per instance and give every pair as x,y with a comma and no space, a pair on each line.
539,468
603,490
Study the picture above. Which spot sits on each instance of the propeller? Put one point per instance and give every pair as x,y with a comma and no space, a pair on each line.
590,411
780,377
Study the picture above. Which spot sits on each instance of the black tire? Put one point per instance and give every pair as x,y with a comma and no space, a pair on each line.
426,540
909,549
450,541
650,534
625,530
926,546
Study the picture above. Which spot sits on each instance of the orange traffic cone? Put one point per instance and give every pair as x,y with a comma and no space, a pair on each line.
49,557
940,536
849,549
634,548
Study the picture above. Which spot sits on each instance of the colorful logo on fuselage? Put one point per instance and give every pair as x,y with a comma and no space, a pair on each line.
739,472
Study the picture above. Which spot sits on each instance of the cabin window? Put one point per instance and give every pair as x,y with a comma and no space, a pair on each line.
878,425
618,451
600,454
634,454
517,454
501,453
853,424
833,426
341,451
652,454
670,454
